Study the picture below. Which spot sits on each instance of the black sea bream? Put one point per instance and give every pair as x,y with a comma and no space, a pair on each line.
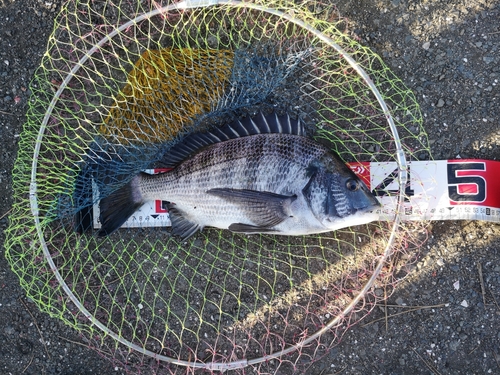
257,175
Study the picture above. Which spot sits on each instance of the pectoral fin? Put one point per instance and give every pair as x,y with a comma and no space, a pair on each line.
180,225
264,209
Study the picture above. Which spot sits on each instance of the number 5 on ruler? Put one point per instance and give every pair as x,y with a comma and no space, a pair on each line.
465,184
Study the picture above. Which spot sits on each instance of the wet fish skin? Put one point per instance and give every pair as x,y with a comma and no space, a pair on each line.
261,183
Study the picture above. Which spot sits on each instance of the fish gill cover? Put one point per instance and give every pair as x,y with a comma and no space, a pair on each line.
124,81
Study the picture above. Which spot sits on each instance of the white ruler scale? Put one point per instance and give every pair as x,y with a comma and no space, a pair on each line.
461,189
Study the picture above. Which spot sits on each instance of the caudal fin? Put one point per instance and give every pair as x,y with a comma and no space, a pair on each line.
119,206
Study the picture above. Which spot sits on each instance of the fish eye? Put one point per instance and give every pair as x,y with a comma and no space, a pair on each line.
352,185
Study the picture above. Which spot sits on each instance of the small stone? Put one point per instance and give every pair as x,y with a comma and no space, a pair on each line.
9,330
440,262
440,103
426,45
488,59
454,344
456,285
464,303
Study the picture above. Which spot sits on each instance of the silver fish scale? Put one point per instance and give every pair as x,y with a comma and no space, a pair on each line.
274,163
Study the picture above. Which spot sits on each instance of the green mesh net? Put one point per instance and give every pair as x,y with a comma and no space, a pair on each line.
121,82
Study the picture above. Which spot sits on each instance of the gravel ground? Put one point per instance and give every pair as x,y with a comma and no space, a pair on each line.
448,53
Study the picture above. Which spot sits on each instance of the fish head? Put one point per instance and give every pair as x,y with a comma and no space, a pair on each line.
338,198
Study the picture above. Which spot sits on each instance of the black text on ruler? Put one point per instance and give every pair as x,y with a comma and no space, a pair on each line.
381,189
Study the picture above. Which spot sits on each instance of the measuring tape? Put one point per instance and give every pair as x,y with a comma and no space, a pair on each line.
462,189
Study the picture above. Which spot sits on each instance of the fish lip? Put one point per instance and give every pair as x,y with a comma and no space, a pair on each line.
371,209
357,211
370,203
367,209
375,205
362,216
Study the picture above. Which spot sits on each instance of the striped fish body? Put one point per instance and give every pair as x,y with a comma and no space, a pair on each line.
280,183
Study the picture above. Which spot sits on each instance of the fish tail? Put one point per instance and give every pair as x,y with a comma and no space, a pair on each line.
119,206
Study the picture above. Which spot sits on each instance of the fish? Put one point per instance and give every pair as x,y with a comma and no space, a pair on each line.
258,174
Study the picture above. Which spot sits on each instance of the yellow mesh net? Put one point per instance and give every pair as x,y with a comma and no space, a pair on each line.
180,82
121,80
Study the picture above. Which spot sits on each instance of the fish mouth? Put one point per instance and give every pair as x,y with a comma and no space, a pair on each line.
369,212
362,216
366,203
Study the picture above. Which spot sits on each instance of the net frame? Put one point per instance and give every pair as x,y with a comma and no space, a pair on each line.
391,242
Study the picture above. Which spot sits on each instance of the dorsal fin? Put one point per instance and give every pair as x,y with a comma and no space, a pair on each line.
259,124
